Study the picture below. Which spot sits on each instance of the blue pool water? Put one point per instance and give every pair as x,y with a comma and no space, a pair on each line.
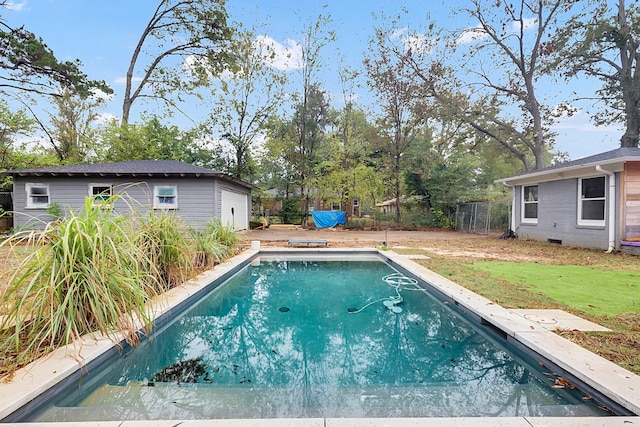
316,339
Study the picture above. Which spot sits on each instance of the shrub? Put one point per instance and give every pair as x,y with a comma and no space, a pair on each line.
87,273
290,212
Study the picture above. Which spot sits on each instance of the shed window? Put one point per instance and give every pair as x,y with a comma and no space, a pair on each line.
530,204
591,205
37,196
165,197
100,193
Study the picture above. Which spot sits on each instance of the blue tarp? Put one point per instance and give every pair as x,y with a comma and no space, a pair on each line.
324,219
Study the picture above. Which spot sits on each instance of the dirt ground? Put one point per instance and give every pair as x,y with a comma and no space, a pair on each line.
276,236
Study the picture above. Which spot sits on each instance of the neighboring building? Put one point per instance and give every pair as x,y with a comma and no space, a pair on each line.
196,194
592,202
388,206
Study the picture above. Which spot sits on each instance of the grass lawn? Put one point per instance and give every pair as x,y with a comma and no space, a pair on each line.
603,288
594,291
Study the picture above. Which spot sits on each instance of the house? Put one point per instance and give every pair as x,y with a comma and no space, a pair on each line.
388,206
196,194
593,202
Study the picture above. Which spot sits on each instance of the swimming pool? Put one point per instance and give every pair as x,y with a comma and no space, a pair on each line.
308,338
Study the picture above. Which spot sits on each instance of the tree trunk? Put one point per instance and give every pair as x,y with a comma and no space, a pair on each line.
397,190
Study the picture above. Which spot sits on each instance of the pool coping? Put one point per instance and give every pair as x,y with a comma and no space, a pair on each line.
613,381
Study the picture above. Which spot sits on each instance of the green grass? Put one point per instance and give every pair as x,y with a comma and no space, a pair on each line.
595,291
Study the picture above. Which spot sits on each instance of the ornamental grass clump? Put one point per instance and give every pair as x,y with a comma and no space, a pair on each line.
209,250
223,234
213,244
86,273
163,239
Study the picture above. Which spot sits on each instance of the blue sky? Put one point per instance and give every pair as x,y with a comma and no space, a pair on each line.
102,35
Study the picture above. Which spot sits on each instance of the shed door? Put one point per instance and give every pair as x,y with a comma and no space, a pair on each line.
235,209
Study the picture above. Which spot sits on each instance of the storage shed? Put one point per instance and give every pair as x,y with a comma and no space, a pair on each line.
194,193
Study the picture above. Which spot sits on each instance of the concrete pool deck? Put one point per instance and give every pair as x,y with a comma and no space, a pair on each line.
616,383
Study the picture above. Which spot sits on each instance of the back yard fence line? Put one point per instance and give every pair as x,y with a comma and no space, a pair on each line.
482,217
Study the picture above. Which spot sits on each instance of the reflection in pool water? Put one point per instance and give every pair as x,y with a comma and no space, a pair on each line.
302,339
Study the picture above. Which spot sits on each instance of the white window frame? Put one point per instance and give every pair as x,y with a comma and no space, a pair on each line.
592,222
98,201
157,204
30,204
524,219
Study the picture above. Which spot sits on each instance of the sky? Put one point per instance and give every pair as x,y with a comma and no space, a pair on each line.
102,34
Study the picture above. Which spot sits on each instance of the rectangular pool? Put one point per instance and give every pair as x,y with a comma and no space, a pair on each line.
292,338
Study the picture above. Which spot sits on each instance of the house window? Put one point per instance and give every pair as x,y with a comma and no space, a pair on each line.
165,197
530,204
591,205
37,196
335,206
100,193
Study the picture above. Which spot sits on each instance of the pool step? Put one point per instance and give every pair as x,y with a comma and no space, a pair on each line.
194,401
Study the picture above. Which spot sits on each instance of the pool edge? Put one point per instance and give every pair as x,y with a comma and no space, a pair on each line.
616,383
625,389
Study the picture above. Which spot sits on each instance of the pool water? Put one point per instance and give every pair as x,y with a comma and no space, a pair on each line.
316,339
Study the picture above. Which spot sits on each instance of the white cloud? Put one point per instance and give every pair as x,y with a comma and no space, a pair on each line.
190,65
123,80
527,23
104,118
98,94
399,34
476,33
581,121
418,43
18,7
284,57
471,35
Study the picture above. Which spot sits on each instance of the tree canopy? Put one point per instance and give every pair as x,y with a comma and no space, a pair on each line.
28,65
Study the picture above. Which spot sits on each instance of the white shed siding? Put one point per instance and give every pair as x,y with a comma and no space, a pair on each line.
197,201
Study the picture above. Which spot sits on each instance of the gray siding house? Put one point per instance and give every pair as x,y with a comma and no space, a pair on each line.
592,202
196,194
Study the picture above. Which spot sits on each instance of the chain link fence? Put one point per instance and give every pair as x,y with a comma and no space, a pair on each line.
482,217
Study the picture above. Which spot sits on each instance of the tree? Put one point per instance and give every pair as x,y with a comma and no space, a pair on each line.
28,65
512,36
246,99
73,129
153,140
15,155
11,125
603,43
503,66
311,111
193,30
402,100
